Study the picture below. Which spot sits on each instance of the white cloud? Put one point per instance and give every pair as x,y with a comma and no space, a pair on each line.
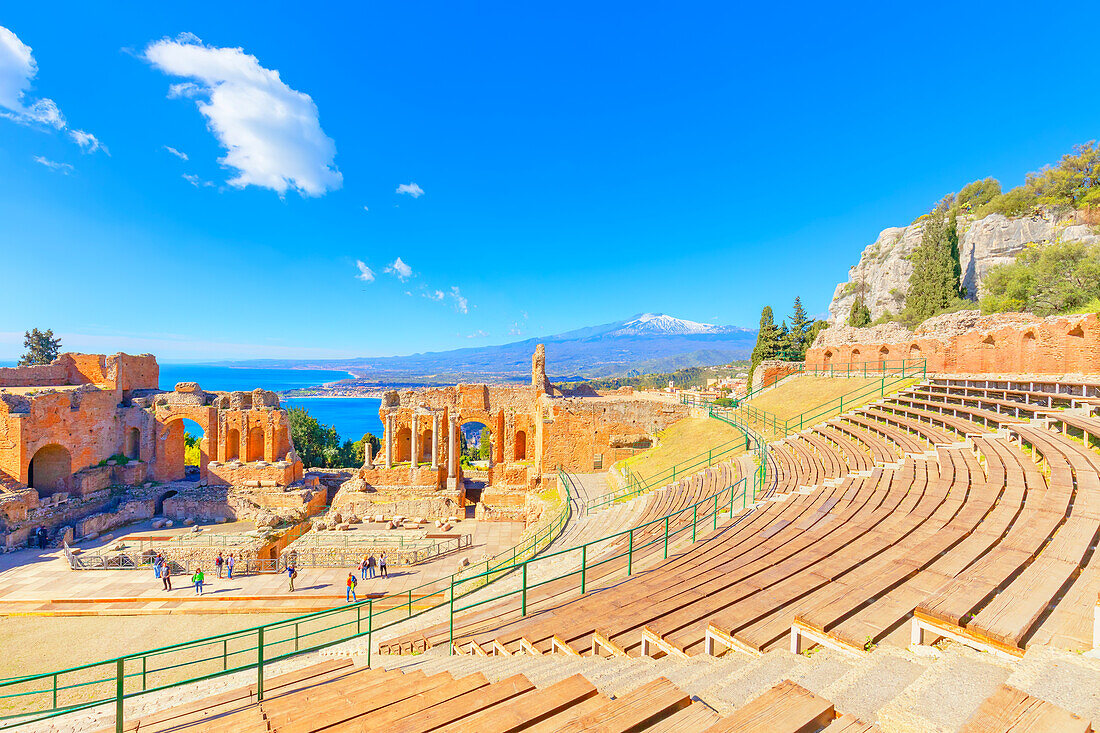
476,335
411,189
436,295
54,165
365,273
515,330
400,270
271,133
17,70
177,153
365,208
196,181
88,142
460,303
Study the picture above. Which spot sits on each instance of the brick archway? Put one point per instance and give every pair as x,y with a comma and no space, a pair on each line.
49,469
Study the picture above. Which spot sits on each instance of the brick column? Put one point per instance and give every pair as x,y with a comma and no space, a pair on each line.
435,441
415,443
388,431
452,451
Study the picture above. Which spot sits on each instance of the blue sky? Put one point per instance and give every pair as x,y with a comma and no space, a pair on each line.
564,164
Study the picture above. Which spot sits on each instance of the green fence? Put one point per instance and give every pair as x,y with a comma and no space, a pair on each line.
746,414
31,698
906,368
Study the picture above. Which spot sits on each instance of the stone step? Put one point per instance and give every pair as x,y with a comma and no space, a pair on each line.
752,679
872,682
946,694
1064,678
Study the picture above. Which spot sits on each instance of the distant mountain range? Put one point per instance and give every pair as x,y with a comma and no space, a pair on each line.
651,342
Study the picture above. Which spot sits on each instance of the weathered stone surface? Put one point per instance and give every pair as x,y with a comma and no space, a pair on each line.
884,266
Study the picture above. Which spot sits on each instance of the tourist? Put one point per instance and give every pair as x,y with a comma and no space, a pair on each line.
197,579
43,538
371,562
229,565
382,566
363,568
166,574
291,574
351,588
157,560
218,564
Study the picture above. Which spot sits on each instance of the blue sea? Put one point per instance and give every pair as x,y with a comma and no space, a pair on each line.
351,416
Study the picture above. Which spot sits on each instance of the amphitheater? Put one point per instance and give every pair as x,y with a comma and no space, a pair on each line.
915,555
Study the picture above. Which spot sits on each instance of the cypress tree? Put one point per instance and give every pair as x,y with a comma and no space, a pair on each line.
800,326
934,284
767,340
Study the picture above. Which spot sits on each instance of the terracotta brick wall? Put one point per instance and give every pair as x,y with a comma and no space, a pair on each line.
1065,345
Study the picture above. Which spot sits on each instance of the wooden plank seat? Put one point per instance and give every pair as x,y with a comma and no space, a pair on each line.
670,583
785,708
901,437
857,575
878,447
1006,621
584,610
233,701
1007,408
1052,394
1089,427
855,454
850,724
832,457
908,419
956,427
962,408
1011,709
879,596
599,573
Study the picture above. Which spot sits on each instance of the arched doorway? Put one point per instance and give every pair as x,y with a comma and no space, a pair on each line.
132,447
402,446
193,435
158,507
49,469
475,456
520,452
233,445
255,445
424,446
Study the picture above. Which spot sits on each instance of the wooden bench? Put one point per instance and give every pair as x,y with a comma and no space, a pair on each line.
785,708
1010,709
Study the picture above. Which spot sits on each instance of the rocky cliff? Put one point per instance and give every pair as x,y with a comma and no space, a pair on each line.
884,266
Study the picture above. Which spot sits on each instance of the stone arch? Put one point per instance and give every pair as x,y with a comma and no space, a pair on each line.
854,359
1029,351
1077,332
255,445
988,345
915,351
49,469
883,356
132,443
520,451
424,445
827,357
158,505
233,445
402,445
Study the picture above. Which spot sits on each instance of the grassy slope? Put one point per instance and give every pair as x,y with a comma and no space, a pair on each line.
806,394
681,441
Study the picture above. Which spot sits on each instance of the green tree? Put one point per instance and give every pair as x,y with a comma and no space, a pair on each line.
767,340
192,450
484,451
317,444
815,328
934,284
359,452
860,315
1045,280
41,346
977,194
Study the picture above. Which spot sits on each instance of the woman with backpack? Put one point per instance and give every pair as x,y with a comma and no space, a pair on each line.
352,580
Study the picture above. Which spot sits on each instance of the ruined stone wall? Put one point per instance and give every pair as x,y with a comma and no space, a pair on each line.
579,429
1003,344
771,371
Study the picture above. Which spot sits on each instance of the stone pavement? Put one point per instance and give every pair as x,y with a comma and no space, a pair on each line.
35,582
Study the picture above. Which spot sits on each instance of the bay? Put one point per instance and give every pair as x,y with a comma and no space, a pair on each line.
351,416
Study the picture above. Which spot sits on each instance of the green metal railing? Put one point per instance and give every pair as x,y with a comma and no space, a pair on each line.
32,698
637,484
746,414
882,367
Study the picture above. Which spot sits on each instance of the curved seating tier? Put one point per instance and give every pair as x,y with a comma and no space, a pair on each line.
961,508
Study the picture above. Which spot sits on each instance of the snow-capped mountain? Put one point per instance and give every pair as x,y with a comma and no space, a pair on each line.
651,342
659,324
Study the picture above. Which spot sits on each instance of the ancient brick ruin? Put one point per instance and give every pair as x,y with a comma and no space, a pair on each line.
1012,344
86,423
535,429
